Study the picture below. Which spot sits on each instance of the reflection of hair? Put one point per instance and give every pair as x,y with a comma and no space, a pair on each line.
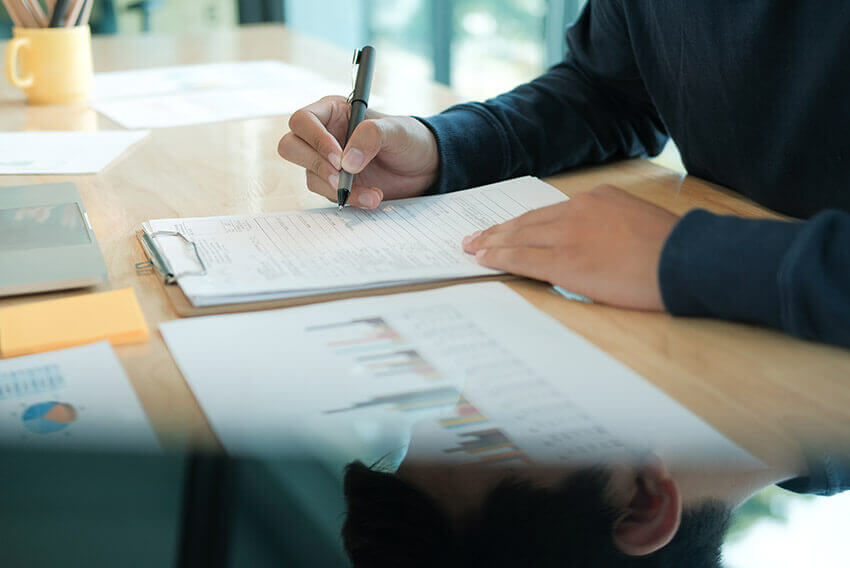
390,522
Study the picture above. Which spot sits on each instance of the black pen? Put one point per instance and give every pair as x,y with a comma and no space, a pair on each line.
364,61
57,19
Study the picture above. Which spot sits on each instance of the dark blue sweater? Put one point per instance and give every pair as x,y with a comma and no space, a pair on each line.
756,96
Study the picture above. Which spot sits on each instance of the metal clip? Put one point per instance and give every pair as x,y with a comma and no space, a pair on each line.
354,66
169,277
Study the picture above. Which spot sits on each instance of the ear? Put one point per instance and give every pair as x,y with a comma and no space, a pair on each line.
653,514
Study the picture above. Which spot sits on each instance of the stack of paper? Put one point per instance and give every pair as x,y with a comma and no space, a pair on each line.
194,94
62,152
282,255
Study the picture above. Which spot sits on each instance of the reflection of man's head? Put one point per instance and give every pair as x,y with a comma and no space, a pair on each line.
443,516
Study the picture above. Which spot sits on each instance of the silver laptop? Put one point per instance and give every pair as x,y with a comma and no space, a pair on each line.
46,241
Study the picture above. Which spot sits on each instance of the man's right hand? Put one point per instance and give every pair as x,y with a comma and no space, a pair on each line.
391,156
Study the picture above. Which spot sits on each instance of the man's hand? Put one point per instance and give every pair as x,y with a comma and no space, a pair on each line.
392,156
605,244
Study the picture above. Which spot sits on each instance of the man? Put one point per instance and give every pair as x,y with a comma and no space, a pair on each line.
639,515
755,96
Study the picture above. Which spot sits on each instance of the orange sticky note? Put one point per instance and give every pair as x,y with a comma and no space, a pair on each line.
56,324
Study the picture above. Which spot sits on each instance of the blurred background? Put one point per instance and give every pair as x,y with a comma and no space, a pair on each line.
479,47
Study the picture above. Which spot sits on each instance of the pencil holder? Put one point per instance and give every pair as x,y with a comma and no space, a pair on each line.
51,65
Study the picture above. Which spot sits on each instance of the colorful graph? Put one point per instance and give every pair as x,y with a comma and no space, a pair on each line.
363,332
490,445
30,381
465,415
373,345
397,363
412,401
48,417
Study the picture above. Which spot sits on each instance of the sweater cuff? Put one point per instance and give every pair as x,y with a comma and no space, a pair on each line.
829,474
471,146
725,267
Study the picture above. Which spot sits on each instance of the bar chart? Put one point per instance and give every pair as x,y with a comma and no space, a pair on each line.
30,381
465,415
489,445
412,401
373,346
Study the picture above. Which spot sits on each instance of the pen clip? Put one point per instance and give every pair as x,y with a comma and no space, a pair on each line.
355,66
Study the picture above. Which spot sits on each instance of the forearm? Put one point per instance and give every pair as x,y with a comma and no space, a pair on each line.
793,276
591,108
553,123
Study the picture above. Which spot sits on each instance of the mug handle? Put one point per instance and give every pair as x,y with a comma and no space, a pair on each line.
12,50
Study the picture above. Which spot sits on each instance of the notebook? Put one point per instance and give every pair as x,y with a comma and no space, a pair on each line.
270,256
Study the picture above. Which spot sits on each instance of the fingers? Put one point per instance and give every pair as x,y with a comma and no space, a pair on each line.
297,151
521,231
310,124
369,138
534,217
538,235
533,262
360,196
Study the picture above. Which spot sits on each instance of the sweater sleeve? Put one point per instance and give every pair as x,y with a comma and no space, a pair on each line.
591,108
794,276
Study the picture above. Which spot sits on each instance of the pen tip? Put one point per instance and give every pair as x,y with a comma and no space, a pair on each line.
339,208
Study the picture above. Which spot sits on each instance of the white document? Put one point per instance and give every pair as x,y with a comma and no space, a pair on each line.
297,253
72,398
194,94
63,152
474,371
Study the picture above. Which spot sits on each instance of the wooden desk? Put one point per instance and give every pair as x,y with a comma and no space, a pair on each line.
760,388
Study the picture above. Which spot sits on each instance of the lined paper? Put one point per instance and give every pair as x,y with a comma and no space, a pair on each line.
279,255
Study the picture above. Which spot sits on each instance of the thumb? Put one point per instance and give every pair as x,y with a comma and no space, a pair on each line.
369,138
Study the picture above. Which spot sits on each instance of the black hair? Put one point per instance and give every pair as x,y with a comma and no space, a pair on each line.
391,522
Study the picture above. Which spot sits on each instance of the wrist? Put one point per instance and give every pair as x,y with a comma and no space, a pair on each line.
425,140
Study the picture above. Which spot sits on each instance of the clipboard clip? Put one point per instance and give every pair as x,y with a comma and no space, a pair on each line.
158,260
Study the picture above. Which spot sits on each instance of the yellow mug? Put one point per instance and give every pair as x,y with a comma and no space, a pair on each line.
51,65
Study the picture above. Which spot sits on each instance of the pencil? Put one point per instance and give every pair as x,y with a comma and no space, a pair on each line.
83,20
73,13
12,13
25,19
37,13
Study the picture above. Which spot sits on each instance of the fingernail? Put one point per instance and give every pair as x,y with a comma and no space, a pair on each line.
352,160
333,179
368,199
334,159
480,255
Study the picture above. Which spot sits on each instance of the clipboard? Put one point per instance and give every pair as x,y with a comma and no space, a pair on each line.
184,307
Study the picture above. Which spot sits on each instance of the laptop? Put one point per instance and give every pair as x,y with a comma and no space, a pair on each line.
46,240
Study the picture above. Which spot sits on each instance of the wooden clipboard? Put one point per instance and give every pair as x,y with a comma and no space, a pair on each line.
185,308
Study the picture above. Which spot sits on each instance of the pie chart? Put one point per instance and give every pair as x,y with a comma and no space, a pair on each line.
49,417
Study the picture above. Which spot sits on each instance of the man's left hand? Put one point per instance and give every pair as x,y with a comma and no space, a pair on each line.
604,244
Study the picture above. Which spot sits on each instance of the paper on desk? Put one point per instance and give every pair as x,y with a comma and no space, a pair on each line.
195,94
297,253
73,398
494,377
63,152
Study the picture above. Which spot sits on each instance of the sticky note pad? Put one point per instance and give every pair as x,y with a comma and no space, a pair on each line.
56,324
